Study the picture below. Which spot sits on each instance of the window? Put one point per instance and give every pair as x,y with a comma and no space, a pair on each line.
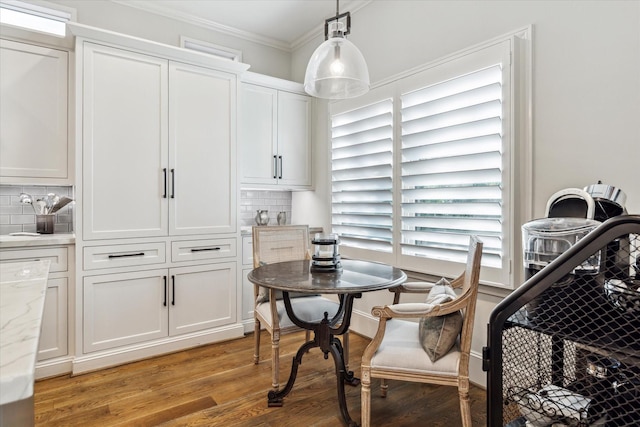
415,174
362,150
36,17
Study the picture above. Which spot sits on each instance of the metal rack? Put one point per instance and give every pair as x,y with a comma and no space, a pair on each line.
564,349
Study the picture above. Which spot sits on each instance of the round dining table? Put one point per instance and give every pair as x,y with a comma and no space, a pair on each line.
348,283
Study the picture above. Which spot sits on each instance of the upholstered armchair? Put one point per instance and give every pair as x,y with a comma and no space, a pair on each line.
433,350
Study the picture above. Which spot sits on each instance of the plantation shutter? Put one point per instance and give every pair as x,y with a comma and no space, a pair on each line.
362,156
452,167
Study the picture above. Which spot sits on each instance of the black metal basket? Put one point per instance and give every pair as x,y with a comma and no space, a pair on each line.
576,360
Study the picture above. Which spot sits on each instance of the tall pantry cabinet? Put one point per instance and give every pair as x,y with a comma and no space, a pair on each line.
157,229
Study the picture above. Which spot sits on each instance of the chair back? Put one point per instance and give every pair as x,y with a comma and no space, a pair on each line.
469,281
280,243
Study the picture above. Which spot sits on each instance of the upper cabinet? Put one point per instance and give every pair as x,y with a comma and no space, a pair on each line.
275,135
157,146
33,115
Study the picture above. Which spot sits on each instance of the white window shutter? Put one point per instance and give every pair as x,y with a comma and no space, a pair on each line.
362,188
452,167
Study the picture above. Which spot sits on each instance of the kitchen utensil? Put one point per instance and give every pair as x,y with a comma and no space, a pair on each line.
40,206
63,201
27,199
51,200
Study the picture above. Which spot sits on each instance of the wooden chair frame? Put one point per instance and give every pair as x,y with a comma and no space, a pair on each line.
468,282
264,253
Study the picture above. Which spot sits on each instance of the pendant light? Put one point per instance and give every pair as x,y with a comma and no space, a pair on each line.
337,69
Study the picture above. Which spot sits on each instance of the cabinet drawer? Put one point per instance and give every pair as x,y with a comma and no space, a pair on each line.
195,250
99,257
247,250
57,256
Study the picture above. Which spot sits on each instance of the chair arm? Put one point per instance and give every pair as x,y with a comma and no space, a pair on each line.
410,288
417,309
413,287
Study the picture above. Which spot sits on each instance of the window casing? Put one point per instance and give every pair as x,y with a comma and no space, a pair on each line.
452,165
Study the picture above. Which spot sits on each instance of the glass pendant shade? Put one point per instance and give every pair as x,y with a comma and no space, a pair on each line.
336,70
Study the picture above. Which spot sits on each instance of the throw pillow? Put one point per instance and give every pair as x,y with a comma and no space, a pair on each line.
439,334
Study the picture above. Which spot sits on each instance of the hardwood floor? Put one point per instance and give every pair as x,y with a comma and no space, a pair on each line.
218,385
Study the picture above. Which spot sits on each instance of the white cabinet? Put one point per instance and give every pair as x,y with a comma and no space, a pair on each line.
54,336
54,351
275,137
130,308
125,308
157,228
202,297
157,152
33,115
248,298
201,162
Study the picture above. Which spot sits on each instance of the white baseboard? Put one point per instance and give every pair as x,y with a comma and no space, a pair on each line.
53,367
118,356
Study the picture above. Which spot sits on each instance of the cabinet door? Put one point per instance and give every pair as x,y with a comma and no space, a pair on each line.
294,139
33,112
258,135
202,297
202,162
126,308
125,144
53,335
248,299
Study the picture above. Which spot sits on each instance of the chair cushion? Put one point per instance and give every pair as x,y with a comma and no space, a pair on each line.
439,334
402,351
309,309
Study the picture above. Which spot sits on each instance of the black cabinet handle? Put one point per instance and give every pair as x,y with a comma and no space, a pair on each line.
280,157
275,167
205,249
126,255
164,302
173,290
164,173
173,183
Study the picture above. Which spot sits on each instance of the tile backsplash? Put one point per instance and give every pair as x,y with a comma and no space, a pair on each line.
273,201
16,217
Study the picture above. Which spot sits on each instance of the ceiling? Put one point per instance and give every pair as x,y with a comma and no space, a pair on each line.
283,24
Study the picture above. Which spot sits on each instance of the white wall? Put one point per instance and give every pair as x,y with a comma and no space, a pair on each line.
128,20
586,94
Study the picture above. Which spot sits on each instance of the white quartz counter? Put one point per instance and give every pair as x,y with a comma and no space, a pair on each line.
7,241
23,288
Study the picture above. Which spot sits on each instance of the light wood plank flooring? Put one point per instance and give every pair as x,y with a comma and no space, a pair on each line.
218,385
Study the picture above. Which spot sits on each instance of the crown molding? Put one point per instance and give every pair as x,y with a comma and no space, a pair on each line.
158,9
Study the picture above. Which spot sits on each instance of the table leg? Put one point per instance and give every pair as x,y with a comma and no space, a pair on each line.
275,397
324,338
342,377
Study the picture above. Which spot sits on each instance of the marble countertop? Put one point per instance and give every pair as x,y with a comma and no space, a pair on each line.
7,241
245,230
23,287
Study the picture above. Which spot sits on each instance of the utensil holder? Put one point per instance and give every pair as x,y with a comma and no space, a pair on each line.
44,223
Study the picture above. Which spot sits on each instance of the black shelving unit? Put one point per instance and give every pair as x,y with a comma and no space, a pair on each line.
564,348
